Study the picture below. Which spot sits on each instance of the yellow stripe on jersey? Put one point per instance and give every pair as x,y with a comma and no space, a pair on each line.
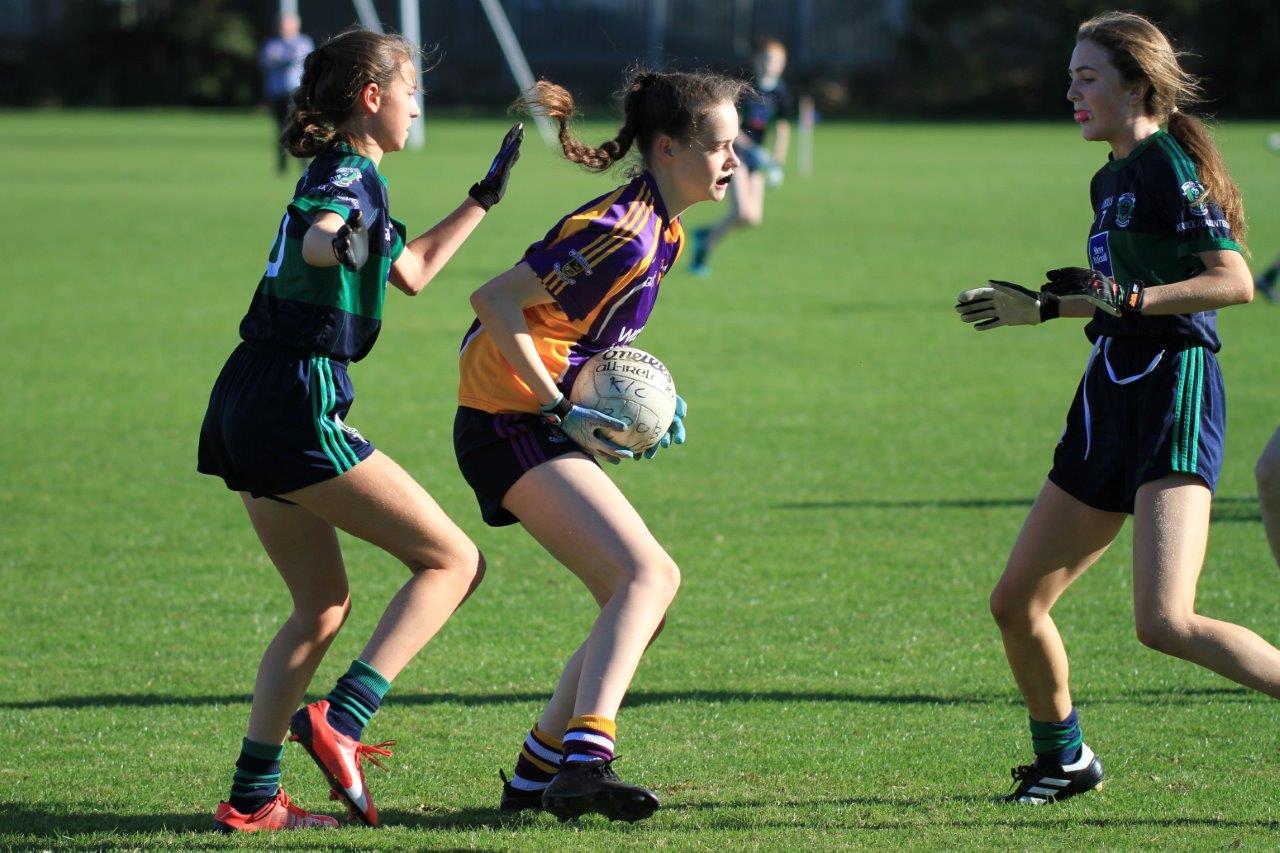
627,228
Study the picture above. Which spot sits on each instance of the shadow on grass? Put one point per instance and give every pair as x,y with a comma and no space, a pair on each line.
643,698
1226,508
71,829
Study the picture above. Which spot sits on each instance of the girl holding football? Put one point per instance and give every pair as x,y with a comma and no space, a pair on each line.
530,453
275,432
1144,434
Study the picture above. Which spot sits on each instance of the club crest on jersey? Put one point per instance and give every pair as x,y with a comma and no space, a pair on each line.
1193,192
1124,210
569,271
345,177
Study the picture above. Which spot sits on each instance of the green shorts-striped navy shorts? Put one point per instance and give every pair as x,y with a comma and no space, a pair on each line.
275,421
1144,409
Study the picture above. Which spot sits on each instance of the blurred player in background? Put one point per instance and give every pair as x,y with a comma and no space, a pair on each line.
770,103
527,450
281,62
275,428
1145,432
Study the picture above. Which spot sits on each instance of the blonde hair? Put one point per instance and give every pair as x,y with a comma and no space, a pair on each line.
1140,51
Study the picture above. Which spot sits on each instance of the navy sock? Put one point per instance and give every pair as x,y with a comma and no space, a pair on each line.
355,698
1057,744
257,776
1269,277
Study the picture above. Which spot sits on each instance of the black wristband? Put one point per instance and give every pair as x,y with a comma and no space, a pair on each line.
557,411
484,196
1050,306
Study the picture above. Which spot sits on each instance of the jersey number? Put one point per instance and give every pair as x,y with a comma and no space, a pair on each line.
277,250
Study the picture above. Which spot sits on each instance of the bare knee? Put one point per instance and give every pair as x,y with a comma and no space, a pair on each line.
321,624
749,218
1164,633
660,579
1011,610
465,564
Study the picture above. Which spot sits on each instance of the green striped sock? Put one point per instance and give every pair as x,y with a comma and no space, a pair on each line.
257,776
355,698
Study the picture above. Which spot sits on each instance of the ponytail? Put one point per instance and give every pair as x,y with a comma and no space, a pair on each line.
556,103
1196,139
1141,52
671,103
333,76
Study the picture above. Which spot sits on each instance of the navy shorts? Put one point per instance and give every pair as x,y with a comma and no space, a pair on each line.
275,422
1143,410
494,451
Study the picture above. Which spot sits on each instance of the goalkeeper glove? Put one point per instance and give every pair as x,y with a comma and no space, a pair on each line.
674,433
1077,284
580,423
1005,304
489,190
351,243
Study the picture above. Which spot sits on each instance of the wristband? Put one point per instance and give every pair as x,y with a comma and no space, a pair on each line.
556,412
1050,306
1133,298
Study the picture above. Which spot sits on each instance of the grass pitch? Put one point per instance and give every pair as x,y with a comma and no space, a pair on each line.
858,466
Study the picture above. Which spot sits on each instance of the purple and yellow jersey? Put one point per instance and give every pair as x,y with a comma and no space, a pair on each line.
602,264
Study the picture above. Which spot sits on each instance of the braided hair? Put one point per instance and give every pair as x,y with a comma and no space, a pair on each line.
673,103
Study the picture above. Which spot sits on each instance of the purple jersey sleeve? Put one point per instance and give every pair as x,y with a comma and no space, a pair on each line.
581,269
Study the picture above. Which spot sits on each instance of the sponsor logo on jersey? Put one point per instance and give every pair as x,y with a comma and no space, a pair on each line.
1103,208
1124,210
345,177
1100,253
1193,192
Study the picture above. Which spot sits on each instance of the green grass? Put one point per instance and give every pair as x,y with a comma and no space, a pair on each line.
858,466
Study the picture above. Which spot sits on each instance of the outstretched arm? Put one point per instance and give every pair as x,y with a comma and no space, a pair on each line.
427,254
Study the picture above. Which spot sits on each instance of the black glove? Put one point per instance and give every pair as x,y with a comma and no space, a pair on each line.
488,190
1074,284
351,243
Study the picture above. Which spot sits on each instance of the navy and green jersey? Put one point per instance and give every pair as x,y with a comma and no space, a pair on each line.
329,311
1150,219
762,107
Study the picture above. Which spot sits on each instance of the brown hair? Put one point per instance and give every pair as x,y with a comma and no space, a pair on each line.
1140,51
333,76
672,103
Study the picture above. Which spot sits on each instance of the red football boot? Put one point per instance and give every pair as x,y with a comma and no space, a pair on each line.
278,813
339,757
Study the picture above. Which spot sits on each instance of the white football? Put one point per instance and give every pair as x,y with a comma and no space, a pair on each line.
628,384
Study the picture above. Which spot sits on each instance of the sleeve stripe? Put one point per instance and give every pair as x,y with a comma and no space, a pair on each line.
1183,168
623,225
575,222
626,230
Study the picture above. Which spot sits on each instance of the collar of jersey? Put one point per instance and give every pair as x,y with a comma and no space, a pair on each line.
1133,155
659,206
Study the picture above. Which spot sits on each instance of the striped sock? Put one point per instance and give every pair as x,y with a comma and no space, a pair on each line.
355,698
257,776
589,738
1057,744
538,763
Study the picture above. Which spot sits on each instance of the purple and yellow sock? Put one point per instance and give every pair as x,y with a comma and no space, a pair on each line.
539,761
589,738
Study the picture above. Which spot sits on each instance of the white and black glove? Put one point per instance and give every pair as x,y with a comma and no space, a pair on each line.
1004,303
